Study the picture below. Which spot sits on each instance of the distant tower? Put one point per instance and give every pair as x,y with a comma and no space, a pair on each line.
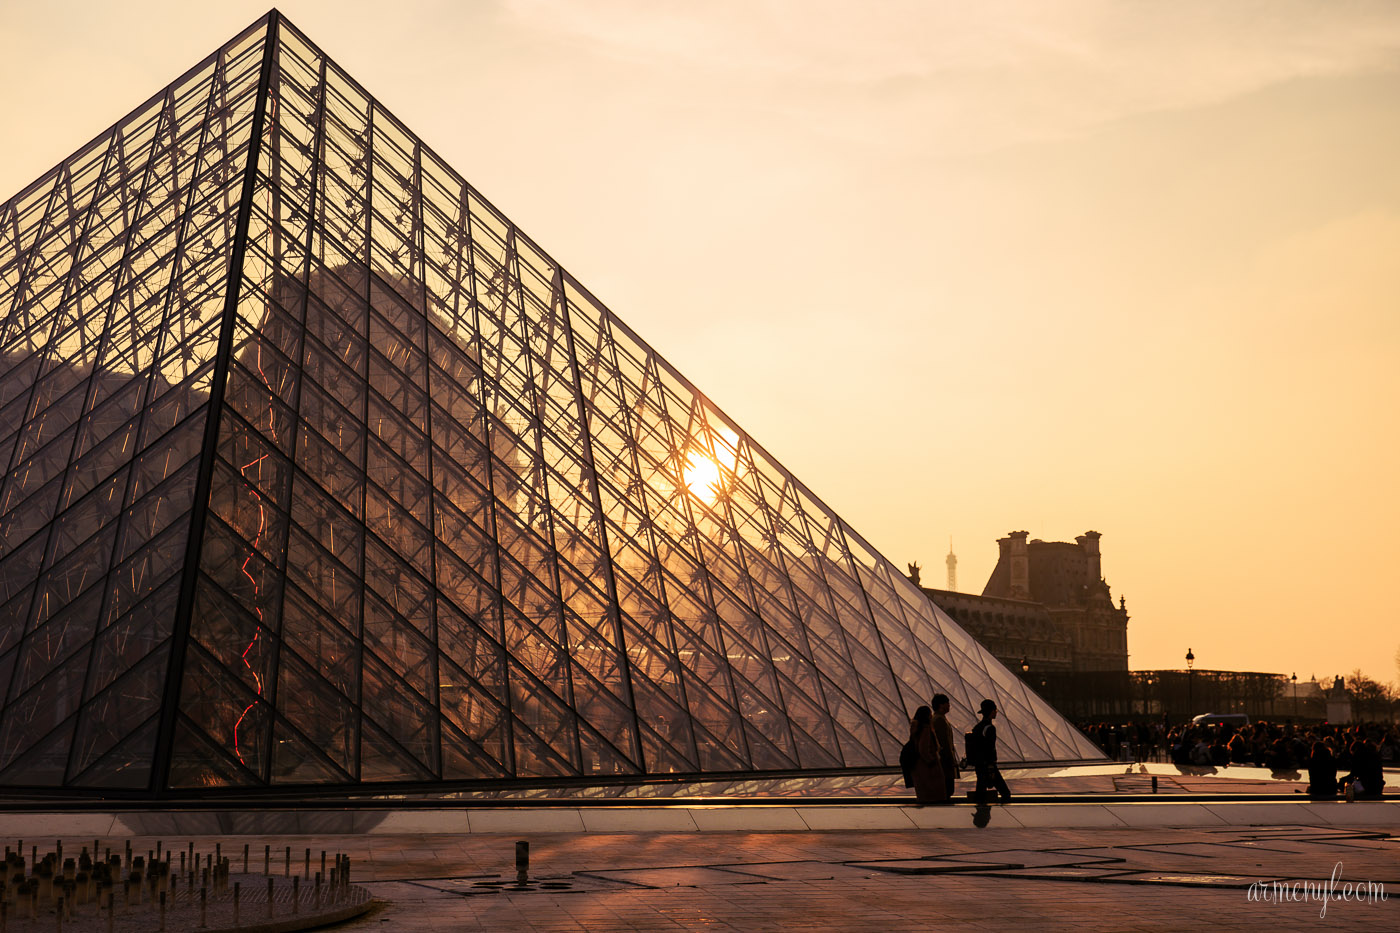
952,568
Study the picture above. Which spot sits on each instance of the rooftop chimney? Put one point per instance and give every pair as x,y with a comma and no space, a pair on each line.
1013,551
1089,543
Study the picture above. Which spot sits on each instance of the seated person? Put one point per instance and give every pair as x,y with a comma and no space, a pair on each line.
1279,759
1367,777
1322,772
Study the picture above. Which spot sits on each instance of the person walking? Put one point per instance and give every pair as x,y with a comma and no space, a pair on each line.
928,773
943,732
984,756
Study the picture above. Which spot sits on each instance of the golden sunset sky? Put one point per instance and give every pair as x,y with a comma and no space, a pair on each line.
964,268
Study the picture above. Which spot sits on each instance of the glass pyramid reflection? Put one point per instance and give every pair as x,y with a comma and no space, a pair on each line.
317,471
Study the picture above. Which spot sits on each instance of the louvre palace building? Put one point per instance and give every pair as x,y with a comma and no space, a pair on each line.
1046,605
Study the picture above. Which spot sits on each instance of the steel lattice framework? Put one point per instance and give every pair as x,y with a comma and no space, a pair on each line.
318,472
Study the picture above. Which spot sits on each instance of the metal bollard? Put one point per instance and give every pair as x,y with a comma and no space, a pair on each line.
287,865
1154,783
267,858
522,862
296,894
245,858
307,870
318,900
270,883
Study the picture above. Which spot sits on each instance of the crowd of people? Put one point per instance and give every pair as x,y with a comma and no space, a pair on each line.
1345,761
1358,753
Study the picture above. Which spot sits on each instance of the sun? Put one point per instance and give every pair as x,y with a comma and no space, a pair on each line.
702,477
711,464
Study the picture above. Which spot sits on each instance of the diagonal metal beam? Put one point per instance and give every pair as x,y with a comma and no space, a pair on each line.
184,610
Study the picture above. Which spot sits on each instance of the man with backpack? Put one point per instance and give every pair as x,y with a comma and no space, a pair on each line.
981,746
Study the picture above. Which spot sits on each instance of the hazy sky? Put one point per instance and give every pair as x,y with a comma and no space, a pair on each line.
963,268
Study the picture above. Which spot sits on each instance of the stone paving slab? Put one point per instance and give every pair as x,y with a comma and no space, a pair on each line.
747,819
859,818
939,817
1058,872
1034,815
1034,858
930,867
1182,879
797,871
639,819
1165,814
690,876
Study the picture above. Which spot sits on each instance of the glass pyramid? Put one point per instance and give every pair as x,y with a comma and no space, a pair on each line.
318,472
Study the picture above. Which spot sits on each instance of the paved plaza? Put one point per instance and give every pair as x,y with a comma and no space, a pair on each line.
1088,847
975,879
1110,865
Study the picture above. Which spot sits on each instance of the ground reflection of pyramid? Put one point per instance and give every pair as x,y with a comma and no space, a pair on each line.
462,524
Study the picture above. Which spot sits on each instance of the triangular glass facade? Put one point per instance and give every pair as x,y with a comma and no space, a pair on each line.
317,471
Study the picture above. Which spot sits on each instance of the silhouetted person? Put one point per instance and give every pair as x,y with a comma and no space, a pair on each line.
943,732
1322,772
1367,777
983,756
928,773
1279,757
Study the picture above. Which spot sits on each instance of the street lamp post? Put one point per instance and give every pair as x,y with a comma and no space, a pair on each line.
1294,678
1190,698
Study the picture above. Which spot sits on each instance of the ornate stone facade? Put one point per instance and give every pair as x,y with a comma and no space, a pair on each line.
1047,604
